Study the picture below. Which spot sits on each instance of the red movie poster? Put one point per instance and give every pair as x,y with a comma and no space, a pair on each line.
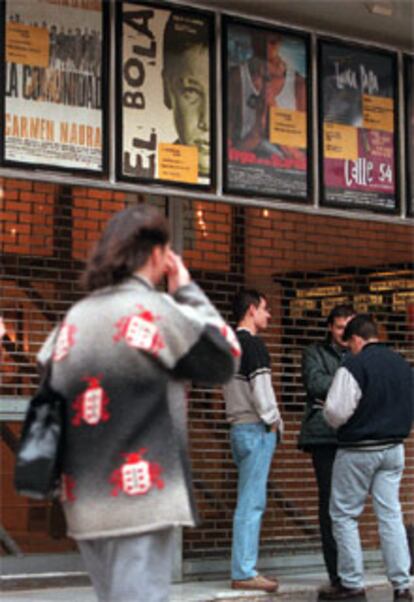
358,128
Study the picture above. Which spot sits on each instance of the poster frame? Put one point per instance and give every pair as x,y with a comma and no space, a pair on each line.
81,171
228,20
333,41
409,150
119,119
2,78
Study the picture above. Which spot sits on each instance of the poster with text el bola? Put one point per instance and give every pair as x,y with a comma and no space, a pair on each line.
164,94
53,84
358,121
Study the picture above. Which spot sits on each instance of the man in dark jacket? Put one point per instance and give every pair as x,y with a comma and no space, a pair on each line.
370,403
319,364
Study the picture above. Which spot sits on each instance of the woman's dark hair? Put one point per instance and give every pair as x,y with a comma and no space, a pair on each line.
125,245
243,300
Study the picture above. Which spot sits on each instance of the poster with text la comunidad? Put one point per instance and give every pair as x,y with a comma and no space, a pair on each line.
53,84
358,127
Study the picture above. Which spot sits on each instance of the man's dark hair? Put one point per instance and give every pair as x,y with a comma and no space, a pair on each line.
125,246
243,300
363,325
340,311
183,31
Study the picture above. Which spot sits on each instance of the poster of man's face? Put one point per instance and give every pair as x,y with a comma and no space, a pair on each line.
165,90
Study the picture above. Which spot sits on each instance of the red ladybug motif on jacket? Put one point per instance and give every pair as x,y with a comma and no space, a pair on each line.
136,476
64,342
90,406
67,487
140,331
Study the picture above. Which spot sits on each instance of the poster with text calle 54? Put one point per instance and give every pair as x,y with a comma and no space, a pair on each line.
357,126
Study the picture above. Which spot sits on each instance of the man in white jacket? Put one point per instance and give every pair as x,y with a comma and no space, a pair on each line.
370,403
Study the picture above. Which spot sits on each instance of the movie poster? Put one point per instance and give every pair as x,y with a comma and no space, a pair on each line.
53,106
357,91
409,86
265,111
164,94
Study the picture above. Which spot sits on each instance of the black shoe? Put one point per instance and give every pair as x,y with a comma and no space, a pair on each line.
340,592
327,589
403,594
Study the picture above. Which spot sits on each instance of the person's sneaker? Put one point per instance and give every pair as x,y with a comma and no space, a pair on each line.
340,592
258,583
403,594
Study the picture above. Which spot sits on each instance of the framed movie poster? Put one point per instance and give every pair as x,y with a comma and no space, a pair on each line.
409,120
165,87
266,108
54,107
358,127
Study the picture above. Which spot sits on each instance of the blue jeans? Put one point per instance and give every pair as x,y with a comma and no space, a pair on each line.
355,475
252,448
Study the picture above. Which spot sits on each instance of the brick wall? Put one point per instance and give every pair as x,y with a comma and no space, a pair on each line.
208,236
292,256
91,210
26,212
304,263
46,233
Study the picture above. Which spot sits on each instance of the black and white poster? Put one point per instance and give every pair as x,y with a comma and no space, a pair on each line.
358,127
165,86
266,109
53,101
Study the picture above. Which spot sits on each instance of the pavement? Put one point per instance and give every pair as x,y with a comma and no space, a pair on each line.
292,588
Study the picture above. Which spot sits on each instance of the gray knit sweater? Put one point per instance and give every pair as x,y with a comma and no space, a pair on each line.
121,359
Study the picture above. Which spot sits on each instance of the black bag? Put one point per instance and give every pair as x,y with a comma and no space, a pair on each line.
410,538
39,455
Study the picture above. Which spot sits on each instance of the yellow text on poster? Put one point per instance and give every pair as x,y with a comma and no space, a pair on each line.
27,45
378,113
340,141
178,163
287,127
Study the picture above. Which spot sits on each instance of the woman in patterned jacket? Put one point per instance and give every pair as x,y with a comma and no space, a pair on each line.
121,360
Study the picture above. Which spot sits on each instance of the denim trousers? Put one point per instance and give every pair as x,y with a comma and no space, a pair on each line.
355,475
252,448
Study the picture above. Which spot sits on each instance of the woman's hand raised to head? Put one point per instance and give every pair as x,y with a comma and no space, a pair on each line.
177,273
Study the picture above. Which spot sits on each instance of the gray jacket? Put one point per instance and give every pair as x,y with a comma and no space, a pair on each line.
121,359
